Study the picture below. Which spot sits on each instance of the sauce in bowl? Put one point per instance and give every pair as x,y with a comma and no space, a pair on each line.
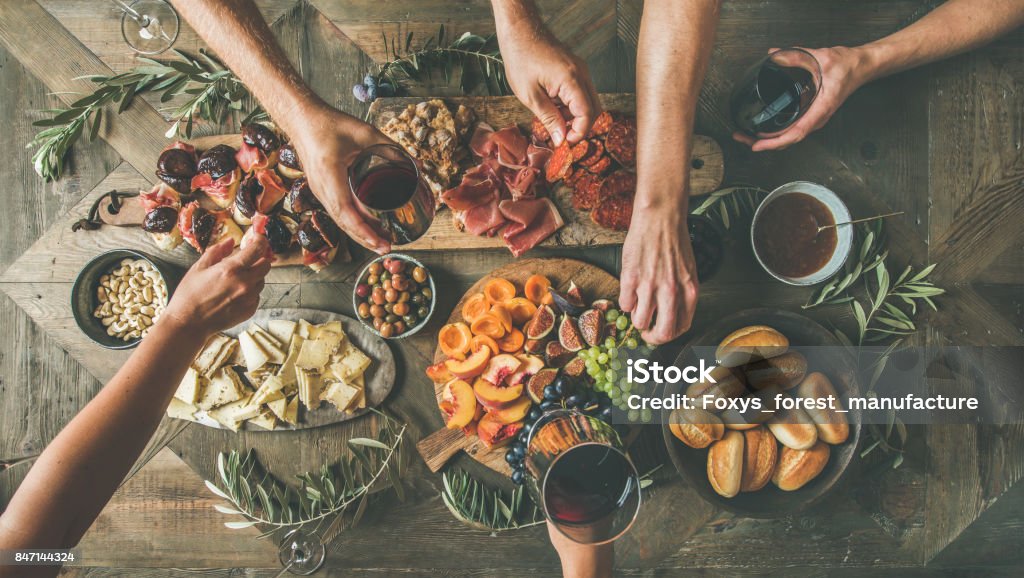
786,236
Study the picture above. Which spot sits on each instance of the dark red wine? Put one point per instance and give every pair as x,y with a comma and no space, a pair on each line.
387,188
588,484
771,98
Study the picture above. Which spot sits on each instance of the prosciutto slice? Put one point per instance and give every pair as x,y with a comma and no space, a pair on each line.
250,157
161,195
505,192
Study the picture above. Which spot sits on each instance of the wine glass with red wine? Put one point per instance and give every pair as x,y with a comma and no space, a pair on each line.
578,472
391,193
774,93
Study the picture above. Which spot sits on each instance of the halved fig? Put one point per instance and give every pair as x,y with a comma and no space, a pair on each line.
217,161
160,220
300,198
280,233
603,305
576,367
591,325
204,224
569,334
566,303
555,355
574,294
261,137
245,200
540,380
319,231
534,346
543,321
176,167
287,157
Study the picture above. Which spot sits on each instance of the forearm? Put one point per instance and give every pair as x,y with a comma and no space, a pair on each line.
83,466
515,15
237,33
675,45
954,27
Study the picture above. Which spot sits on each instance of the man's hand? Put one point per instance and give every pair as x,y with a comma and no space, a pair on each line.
659,277
843,70
328,142
221,290
543,73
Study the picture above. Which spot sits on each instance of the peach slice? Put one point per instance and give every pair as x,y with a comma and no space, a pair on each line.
470,367
479,341
494,433
501,366
513,412
531,364
495,396
470,430
438,373
458,403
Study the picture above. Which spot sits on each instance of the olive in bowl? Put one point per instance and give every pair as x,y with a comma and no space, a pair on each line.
394,296
119,295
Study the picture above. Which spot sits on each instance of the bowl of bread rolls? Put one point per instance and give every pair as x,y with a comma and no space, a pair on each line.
766,459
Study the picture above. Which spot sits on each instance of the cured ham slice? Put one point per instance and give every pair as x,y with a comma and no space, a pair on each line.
273,190
530,222
485,219
161,195
222,190
250,158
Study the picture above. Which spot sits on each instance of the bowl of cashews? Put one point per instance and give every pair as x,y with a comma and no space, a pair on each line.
120,295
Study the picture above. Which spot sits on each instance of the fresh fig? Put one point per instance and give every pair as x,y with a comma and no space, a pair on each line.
569,334
591,324
566,303
574,294
541,324
603,305
555,355
576,367
534,346
535,386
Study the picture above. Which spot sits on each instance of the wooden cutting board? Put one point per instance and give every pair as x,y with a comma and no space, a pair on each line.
595,283
706,173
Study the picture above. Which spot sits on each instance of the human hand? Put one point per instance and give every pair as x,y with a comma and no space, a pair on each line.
327,142
659,274
221,290
843,71
581,560
543,73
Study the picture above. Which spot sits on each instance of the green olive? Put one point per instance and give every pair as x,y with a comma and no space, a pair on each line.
375,268
391,318
372,279
411,320
427,293
389,307
404,297
423,312
419,274
417,298
385,276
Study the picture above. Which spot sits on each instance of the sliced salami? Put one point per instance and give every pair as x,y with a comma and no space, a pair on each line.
602,123
614,212
586,191
619,182
580,150
621,142
600,166
560,163
594,152
539,131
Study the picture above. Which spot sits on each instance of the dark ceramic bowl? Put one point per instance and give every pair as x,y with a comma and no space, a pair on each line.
84,300
833,360
362,279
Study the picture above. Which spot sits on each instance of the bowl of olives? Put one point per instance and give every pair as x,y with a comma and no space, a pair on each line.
394,296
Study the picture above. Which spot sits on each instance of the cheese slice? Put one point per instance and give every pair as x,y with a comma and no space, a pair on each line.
309,387
232,414
304,328
255,356
332,339
332,326
291,413
270,346
265,420
287,371
313,355
279,407
225,387
340,394
181,410
282,330
352,362
270,386
215,352
190,388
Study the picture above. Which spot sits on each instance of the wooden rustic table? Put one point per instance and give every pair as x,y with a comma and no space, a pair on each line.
942,143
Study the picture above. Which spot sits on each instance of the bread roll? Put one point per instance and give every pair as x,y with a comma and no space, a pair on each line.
833,428
794,429
797,467
725,464
745,420
750,344
760,455
785,371
727,385
695,427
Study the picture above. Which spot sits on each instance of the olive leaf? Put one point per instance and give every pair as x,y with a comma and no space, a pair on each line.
478,58
731,204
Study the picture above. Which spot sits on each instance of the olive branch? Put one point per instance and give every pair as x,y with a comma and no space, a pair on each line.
478,56
329,494
731,204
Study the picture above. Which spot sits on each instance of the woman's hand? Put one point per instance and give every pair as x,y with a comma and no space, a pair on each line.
221,290
542,72
843,71
659,275
327,142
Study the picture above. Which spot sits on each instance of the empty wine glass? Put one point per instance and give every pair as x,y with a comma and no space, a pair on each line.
148,26
301,553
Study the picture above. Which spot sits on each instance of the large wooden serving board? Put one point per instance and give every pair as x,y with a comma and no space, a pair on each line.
706,172
595,283
379,378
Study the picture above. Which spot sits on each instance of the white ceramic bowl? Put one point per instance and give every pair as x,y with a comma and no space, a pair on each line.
844,233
